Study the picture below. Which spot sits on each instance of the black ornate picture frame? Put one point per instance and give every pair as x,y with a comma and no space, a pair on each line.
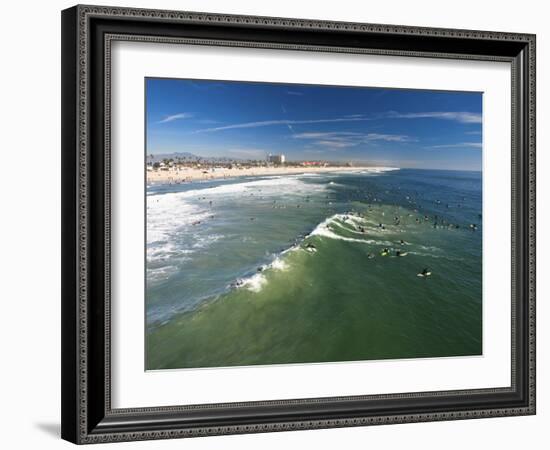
87,35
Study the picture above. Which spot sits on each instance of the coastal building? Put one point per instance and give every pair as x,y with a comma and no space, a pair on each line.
276,159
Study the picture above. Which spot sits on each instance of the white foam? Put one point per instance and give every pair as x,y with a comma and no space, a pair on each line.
343,227
169,219
279,264
269,186
308,174
367,170
160,251
167,213
176,213
323,230
204,241
175,210
431,255
381,169
160,273
255,283
174,231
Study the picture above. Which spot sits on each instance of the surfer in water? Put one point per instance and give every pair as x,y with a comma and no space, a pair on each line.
311,248
425,273
237,284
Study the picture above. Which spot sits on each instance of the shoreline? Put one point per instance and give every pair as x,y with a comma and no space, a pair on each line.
189,175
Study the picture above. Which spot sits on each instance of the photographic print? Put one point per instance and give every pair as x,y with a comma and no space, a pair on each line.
295,223
238,239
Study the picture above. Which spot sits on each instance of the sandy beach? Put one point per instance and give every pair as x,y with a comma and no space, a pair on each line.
183,175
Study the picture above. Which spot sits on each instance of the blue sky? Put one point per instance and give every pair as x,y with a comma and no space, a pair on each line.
397,127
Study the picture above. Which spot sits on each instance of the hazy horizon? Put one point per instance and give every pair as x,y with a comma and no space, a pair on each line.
356,162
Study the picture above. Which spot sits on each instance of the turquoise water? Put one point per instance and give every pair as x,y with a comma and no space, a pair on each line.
306,268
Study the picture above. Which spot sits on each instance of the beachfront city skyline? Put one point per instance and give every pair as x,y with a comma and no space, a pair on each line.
379,126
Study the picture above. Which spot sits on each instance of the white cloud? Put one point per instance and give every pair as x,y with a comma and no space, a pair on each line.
343,139
388,137
266,123
326,135
459,145
335,144
462,117
173,117
458,116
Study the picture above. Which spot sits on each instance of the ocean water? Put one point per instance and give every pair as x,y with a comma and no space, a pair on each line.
314,268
